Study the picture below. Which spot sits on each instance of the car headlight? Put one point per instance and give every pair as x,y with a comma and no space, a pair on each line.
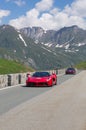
49,79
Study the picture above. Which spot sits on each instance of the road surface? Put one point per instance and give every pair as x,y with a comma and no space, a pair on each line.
9,98
60,108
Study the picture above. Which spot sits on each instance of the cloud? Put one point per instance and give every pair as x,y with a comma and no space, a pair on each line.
77,8
4,13
49,17
30,19
44,5
17,2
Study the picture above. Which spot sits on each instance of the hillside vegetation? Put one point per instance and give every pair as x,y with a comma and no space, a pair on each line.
9,67
81,65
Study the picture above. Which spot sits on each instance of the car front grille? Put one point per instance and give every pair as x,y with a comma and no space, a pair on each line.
33,84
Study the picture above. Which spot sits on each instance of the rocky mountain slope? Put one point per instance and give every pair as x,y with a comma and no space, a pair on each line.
43,49
63,38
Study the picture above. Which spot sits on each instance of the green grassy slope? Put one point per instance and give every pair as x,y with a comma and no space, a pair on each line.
8,67
81,65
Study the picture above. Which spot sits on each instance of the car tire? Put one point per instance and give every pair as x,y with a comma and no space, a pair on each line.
56,82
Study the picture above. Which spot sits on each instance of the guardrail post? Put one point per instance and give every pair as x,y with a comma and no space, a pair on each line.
56,71
9,80
19,78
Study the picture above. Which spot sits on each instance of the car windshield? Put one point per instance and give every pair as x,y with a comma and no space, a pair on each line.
70,69
41,74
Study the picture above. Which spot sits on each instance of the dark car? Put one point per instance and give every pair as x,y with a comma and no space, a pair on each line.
70,71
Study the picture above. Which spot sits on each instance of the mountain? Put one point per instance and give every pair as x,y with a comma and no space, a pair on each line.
66,36
43,49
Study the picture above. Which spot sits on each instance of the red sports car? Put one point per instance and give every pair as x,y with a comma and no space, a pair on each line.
41,79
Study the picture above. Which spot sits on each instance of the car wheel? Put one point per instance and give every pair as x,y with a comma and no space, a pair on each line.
56,82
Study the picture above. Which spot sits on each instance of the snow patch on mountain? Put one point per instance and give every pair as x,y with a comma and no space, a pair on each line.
59,46
73,51
14,51
22,40
36,41
48,44
81,44
67,46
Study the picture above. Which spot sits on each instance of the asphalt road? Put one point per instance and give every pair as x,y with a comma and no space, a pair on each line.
10,98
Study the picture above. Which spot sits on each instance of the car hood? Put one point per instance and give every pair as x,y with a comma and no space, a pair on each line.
70,70
38,79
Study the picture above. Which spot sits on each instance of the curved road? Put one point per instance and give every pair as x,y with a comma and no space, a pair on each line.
10,98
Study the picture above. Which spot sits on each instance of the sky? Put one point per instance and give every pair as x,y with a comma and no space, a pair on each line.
48,14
